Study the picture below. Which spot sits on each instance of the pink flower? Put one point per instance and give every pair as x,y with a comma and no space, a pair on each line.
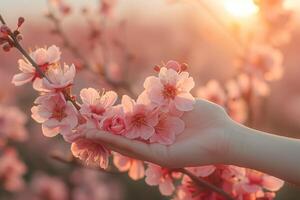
212,91
265,62
55,114
256,180
12,124
172,88
50,188
58,78
90,152
44,58
156,175
114,121
140,119
135,168
95,105
94,185
167,129
11,170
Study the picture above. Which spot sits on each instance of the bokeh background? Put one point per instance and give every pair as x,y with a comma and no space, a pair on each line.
147,33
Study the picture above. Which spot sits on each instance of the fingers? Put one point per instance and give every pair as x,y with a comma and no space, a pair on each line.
120,144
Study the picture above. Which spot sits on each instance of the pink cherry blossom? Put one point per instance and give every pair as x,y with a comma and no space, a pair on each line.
47,187
135,168
167,129
212,91
55,114
265,62
140,119
171,87
156,175
58,78
44,59
114,121
91,153
11,170
95,104
12,124
94,185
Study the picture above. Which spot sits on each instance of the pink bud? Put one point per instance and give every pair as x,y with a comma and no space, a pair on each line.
20,21
5,30
6,47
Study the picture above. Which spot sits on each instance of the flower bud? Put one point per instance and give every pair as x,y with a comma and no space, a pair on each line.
20,21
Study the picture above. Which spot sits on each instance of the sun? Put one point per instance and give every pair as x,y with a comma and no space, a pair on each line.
240,8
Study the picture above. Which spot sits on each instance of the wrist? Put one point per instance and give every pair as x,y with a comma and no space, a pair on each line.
236,142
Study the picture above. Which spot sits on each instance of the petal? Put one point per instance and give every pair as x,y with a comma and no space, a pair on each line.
272,183
185,84
127,103
25,67
121,162
21,79
89,96
54,54
146,132
49,132
109,99
166,188
184,102
137,170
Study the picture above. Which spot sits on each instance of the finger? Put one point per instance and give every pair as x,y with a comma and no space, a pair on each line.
120,144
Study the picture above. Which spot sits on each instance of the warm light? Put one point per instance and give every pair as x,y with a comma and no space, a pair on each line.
240,8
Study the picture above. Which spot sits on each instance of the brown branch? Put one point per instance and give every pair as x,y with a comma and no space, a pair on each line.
202,183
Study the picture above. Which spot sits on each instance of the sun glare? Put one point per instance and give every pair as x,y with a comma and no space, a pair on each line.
240,8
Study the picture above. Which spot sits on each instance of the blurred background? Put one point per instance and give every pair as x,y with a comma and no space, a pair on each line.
115,44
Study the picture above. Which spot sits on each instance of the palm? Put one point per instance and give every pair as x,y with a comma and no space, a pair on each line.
202,139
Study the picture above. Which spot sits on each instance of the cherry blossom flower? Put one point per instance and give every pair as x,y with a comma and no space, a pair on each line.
114,121
140,119
91,153
135,168
265,62
44,59
47,187
171,88
212,91
12,124
163,177
202,171
95,105
94,185
58,78
55,114
255,182
167,129
11,170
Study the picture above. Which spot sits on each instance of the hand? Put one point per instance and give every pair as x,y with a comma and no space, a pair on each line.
203,141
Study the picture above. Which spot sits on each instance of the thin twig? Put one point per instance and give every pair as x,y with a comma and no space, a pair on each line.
202,183
18,46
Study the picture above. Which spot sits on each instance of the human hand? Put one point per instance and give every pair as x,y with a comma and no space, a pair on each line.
204,140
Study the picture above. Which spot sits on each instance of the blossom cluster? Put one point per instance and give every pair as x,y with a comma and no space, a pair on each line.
154,117
12,129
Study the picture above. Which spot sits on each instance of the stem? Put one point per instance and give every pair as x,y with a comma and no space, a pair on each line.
18,46
2,20
202,183
73,161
